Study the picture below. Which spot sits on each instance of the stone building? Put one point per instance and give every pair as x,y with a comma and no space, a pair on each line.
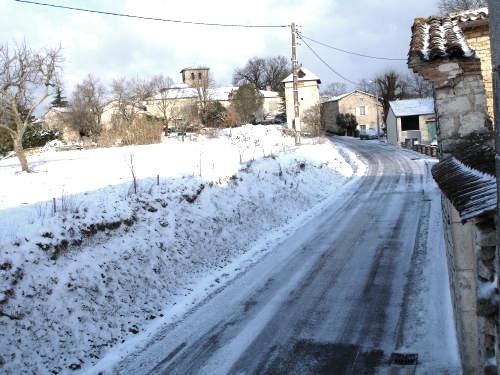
177,102
195,76
361,104
474,25
308,88
411,120
441,54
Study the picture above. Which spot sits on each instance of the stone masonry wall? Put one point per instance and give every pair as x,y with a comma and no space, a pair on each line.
478,39
462,272
487,293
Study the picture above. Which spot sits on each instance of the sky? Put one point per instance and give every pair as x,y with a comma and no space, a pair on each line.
112,47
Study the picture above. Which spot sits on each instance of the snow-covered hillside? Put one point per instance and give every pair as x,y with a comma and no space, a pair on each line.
109,262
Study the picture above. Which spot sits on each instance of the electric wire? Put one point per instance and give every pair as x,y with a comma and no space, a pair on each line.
147,18
324,62
350,52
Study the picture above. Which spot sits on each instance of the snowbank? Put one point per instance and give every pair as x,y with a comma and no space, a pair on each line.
106,262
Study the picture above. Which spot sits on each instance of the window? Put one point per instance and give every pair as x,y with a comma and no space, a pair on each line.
362,110
362,127
199,76
410,123
192,76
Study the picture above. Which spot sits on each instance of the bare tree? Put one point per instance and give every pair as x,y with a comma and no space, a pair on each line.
166,98
263,72
252,72
87,106
276,70
367,85
449,6
205,92
390,86
335,89
417,86
27,79
130,95
312,120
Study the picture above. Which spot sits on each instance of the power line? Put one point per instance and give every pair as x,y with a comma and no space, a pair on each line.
147,18
350,52
324,62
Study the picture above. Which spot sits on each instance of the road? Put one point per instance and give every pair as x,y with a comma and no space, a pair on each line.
364,279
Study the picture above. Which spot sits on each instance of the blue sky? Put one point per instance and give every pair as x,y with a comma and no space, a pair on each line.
110,47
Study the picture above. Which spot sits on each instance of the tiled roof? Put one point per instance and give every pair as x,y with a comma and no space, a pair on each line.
469,183
470,16
437,37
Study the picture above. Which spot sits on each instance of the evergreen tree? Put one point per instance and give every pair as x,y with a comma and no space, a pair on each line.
59,100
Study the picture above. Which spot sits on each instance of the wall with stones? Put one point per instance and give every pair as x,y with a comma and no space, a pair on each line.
478,39
461,257
487,293
461,108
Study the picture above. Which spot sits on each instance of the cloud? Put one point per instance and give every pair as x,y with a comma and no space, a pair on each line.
110,47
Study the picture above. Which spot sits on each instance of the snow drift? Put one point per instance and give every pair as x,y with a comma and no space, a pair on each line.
85,274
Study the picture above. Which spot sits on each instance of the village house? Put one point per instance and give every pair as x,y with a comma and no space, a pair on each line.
441,53
308,90
176,102
363,105
411,120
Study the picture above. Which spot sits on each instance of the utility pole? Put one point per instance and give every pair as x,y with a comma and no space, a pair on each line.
295,67
378,121
494,25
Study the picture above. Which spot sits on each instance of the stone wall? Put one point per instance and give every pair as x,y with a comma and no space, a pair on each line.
485,242
478,39
461,258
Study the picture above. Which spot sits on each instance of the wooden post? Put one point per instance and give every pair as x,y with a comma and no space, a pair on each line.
54,207
157,179
494,25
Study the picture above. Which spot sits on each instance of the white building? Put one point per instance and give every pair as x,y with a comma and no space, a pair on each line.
308,89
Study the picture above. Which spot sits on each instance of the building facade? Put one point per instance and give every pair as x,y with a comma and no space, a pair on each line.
308,90
364,106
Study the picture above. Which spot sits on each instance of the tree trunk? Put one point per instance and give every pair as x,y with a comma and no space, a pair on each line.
21,155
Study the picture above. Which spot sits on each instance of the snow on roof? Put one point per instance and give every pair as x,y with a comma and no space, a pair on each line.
304,75
217,93
442,37
342,96
412,107
471,15
467,179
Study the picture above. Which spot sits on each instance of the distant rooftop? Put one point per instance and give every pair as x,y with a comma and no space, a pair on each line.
303,76
345,95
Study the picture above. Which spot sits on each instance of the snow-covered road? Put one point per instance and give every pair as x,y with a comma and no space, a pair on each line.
364,279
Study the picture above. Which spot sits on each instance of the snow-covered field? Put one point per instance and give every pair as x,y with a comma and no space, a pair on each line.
107,262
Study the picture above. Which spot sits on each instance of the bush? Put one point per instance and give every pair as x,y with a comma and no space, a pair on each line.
36,136
141,131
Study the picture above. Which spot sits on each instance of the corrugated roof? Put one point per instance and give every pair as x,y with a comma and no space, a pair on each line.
412,107
304,75
438,37
472,191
